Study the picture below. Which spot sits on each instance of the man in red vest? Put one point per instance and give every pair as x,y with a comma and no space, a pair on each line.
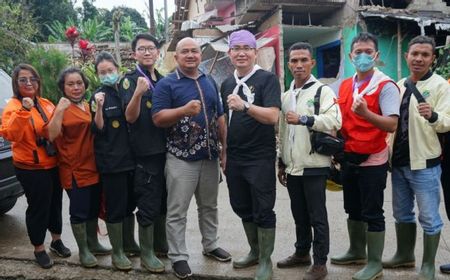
369,102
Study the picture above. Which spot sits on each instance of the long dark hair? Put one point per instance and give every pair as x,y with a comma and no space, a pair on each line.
15,79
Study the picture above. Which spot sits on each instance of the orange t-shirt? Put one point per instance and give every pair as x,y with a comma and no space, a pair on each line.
75,147
17,127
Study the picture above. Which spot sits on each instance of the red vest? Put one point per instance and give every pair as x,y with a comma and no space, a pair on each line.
360,135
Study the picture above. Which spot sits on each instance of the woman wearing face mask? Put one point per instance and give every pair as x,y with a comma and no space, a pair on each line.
35,162
70,128
114,161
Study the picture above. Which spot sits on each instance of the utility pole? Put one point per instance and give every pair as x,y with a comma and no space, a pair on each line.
166,22
152,18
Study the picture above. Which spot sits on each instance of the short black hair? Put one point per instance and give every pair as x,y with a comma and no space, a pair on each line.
365,37
301,46
422,40
144,36
104,56
67,71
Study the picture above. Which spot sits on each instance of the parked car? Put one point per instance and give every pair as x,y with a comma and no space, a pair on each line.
10,188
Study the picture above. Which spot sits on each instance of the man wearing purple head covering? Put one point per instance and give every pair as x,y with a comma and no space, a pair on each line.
251,97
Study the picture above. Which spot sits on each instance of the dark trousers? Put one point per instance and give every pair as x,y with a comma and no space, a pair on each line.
308,206
119,197
252,191
44,197
84,202
364,194
150,188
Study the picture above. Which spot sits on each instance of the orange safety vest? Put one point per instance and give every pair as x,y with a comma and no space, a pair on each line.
360,136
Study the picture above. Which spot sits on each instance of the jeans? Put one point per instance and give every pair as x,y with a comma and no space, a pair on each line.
424,184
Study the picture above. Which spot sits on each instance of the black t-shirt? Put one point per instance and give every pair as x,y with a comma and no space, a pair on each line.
146,139
247,138
112,145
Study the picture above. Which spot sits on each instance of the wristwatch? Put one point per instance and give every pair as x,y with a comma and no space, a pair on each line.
303,119
246,106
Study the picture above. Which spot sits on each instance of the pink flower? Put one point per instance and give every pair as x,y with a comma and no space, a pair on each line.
72,33
83,44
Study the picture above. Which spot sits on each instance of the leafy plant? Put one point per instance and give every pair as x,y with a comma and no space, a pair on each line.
129,29
49,64
57,30
95,30
442,65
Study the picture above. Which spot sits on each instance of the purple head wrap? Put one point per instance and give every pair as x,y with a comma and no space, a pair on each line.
242,37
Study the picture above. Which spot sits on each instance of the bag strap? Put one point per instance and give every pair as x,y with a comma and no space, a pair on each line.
41,112
411,86
317,100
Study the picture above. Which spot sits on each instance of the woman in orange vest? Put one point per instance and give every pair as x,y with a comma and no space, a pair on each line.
70,129
35,161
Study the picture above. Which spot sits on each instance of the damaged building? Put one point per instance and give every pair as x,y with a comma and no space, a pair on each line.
328,25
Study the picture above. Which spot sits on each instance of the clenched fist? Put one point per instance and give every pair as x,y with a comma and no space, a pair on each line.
27,103
63,104
235,102
142,86
359,106
425,110
292,118
192,108
100,99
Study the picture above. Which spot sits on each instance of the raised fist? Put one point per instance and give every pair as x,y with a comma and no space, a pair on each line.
192,108
99,98
27,103
63,104
142,86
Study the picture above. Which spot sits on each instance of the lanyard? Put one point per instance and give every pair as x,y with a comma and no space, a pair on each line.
150,84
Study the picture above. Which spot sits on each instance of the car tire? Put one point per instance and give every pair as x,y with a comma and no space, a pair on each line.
7,205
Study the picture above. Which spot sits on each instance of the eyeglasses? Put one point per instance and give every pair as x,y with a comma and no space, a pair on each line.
25,81
143,50
241,49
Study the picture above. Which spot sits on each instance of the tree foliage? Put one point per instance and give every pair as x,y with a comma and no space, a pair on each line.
15,38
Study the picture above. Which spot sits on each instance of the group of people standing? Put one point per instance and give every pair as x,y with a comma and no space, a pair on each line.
154,142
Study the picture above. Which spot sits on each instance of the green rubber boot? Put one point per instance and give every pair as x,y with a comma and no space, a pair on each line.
356,254
406,241
374,268
251,231
92,239
130,246
87,259
148,258
119,260
266,240
160,240
430,245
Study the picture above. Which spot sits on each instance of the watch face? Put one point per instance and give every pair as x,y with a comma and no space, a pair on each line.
303,119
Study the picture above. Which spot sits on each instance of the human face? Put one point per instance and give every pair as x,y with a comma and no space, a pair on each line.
28,84
106,67
243,57
74,88
146,53
301,63
188,55
419,58
364,48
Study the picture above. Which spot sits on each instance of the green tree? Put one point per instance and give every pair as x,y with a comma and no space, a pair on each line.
89,10
45,12
15,38
134,15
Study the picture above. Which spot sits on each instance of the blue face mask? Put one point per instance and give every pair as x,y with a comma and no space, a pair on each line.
110,79
363,62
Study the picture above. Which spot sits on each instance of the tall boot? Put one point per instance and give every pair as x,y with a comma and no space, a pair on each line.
160,240
87,259
356,254
374,268
251,231
92,239
266,241
119,260
130,246
148,258
430,245
406,241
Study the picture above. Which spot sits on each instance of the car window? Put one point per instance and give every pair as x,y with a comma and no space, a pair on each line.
5,95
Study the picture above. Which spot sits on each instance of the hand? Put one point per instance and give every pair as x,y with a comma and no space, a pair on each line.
223,159
235,102
99,99
142,86
292,118
27,103
359,106
192,108
425,110
282,176
63,104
